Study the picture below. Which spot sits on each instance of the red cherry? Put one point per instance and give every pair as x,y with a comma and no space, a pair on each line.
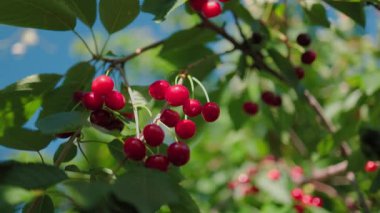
134,149
154,135
178,153
210,112
307,199
297,194
92,101
64,135
250,108
317,201
158,88
224,0
371,166
169,117
277,101
243,178
268,97
158,162
192,107
274,174
296,173
197,4
299,208
308,57
77,96
177,95
211,9
248,190
303,39
115,125
185,129
232,185
101,117
102,85
300,73
115,100
129,115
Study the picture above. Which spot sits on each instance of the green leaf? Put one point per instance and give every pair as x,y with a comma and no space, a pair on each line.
62,122
30,175
161,8
375,184
186,204
117,14
317,15
353,9
242,66
90,133
284,65
117,150
237,115
240,10
43,204
85,10
11,196
40,14
86,195
72,152
24,139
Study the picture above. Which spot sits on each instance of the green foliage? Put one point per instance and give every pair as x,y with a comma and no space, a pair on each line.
85,10
62,122
44,204
71,153
161,8
317,15
353,9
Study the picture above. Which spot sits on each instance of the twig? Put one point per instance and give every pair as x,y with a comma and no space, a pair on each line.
84,42
240,29
42,158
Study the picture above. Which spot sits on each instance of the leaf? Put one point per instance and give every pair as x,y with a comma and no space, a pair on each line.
72,152
371,82
86,195
353,9
85,10
240,10
40,14
30,175
90,133
375,186
186,204
43,204
317,15
237,115
242,66
284,65
117,150
62,122
12,196
117,14
161,8
24,139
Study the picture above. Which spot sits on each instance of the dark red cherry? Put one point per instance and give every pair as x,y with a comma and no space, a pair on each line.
197,4
308,57
101,117
303,39
268,97
134,149
92,101
185,129
210,112
178,153
158,162
250,108
64,135
300,73
177,95
115,100
158,89
154,135
169,117
77,96
192,107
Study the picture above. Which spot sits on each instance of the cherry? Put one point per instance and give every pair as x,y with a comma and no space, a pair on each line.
243,178
197,4
158,162
129,115
300,73
297,194
256,38
101,117
250,190
64,135
185,129
134,149
169,117
268,97
274,174
115,100
192,107
296,173
308,57
153,134
211,9
299,208
307,199
303,39
232,185
158,88
92,101
178,153
210,112
102,85
250,108
277,101
77,96
224,0
177,95
115,125
316,201
371,166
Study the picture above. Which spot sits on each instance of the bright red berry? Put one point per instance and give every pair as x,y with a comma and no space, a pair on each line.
158,162
64,135
197,4
185,129
102,85
303,39
296,173
307,199
177,95
192,107
92,101
169,117
77,96
371,166
297,194
317,201
211,9
115,100
299,208
134,149
158,89
154,135
308,57
210,112
101,117
250,108
268,97
300,73
249,190
274,174
178,153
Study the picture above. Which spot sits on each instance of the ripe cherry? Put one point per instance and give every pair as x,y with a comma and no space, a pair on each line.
316,201
102,85
299,208
101,117
268,97
169,117
297,194
243,178
308,57
232,185
296,173
64,135
277,101
249,190
197,4
92,101
256,38
115,100
274,174
177,95
77,96
158,88
211,9
153,134
303,39
158,162
307,199
178,153
250,108
134,149
192,107
371,166
185,129
210,112
300,73
129,115
115,124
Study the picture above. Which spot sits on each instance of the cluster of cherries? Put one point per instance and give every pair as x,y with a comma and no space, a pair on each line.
208,8
268,97
303,200
371,166
178,153
308,57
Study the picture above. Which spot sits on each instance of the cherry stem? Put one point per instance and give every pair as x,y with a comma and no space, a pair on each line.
191,85
42,158
202,87
146,108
